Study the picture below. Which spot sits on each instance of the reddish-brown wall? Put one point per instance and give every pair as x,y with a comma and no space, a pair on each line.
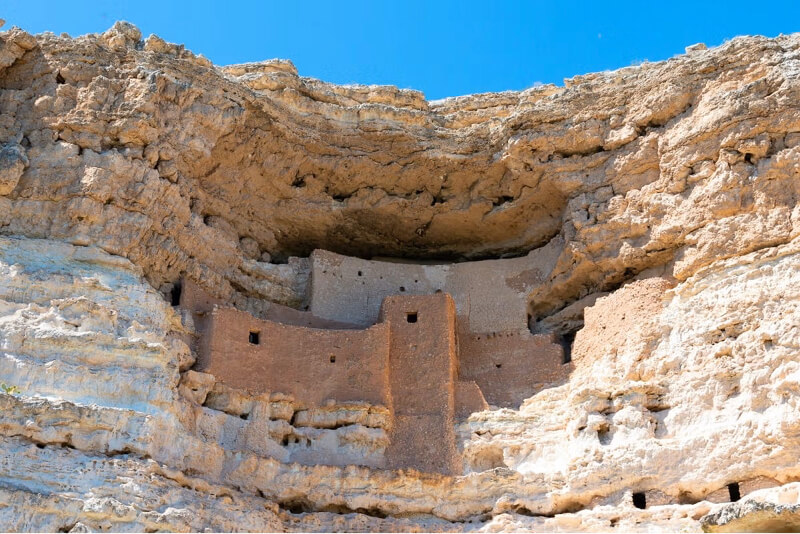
195,299
198,301
286,315
297,360
423,374
510,367
469,399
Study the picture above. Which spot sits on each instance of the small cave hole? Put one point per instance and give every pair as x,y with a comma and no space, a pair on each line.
175,294
402,289
40,445
360,273
498,365
411,317
297,506
485,459
567,341
244,416
733,492
60,79
748,158
639,500
333,358
604,434
504,199
254,338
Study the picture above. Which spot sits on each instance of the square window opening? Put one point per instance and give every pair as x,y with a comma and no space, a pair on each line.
411,317
254,338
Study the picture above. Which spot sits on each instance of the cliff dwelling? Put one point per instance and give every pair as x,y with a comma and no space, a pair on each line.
429,343
238,298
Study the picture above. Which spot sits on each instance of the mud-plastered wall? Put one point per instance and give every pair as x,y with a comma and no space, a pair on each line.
491,295
423,375
311,364
510,367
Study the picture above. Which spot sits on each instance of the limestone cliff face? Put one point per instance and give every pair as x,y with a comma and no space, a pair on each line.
664,197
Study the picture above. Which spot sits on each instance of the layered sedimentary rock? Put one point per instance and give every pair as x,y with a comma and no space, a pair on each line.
657,205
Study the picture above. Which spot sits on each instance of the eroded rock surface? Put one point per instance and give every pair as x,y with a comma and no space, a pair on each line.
663,198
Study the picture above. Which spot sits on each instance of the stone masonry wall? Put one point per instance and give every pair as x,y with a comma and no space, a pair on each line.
510,367
423,374
490,295
314,365
420,360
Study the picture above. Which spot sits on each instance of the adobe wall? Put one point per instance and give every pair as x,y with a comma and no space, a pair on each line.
423,376
197,300
311,364
510,367
621,317
286,315
490,295
468,398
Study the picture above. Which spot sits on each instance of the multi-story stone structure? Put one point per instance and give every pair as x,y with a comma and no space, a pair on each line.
432,343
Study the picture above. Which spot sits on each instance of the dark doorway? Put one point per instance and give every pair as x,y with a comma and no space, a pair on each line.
175,294
733,492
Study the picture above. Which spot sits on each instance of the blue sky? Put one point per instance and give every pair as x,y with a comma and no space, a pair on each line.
445,48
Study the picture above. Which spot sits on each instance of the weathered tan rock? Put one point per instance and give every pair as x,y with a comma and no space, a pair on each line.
12,164
158,156
659,202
